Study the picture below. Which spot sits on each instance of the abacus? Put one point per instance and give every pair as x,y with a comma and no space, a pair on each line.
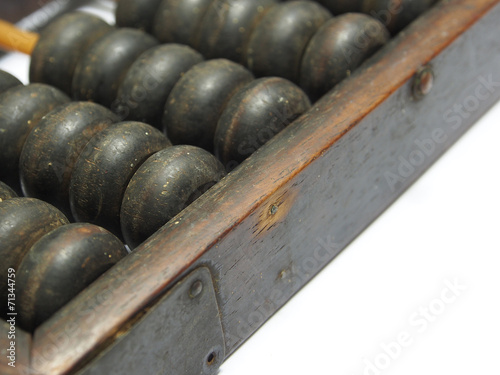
331,171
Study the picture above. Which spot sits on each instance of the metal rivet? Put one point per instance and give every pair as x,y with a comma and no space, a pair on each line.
423,83
273,209
196,289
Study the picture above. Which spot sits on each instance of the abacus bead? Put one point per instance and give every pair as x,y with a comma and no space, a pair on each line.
148,82
396,15
178,21
226,28
254,115
138,14
337,49
6,192
104,168
342,6
195,104
100,71
23,221
7,81
174,177
52,148
280,38
21,108
61,45
59,266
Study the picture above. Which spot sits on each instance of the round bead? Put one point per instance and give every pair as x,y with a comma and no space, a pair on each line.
254,115
59,266
227,26
138,14
337,49
52,148
6,192
342,6
23,221
178,21
61,45
396,15
100,71
280,38
21,108
148,82
174,177
7,81
104,168
195,104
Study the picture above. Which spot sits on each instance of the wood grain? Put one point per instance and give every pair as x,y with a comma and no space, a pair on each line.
232,216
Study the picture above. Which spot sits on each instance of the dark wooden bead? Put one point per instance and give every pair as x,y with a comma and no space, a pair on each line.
178,21
280,38
100,71
148,82
337,49
174,178
23,221
104,168
254,115
138,14
21,108
61,45
227,25
396,15
7,81
6,192
52,148
342,6
59,266
197,100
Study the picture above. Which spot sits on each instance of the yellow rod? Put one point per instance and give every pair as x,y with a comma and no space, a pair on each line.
14,39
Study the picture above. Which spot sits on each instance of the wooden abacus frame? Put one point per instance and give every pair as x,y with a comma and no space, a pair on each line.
256,238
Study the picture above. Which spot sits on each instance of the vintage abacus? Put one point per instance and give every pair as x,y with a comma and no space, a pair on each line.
198,235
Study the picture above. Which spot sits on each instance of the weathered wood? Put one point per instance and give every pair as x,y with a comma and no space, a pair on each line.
175,177
195,104
149,81
21,108
59,266
178,21
52,149
100,71
7,81
6,192
61,45
254,115
104,168
278,41
267,228
227,25
340,46
23,221
138,14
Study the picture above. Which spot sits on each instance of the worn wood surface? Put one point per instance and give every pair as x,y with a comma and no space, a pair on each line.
292,206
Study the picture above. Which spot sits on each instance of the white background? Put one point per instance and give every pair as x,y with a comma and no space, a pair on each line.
443,229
